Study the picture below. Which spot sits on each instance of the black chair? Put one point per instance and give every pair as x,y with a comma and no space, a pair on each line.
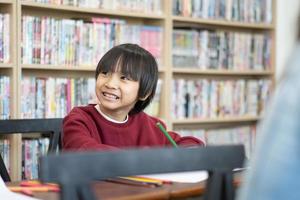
50,127
3,171
76,171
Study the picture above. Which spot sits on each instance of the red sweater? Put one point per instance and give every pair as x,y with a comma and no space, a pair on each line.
84,128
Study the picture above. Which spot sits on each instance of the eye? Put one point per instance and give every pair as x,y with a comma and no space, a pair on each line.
104,73
126,78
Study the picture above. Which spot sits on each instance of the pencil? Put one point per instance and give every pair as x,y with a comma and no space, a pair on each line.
33,189
142,179
166,134
155,179
132,182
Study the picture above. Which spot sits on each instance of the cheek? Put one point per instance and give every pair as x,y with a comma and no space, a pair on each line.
97,88
131,91
99,84
137,90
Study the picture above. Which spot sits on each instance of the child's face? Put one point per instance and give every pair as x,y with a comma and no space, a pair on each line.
117,94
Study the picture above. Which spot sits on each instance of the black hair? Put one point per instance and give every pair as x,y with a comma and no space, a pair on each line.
136,63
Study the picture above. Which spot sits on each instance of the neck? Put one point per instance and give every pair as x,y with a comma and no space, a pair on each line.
111,118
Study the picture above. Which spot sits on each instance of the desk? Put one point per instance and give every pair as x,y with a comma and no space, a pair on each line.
115,191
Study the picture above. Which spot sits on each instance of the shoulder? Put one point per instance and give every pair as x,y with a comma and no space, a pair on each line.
82,118
82,109
81,112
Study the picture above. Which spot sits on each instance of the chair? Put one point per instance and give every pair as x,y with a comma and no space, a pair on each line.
51,127
76,170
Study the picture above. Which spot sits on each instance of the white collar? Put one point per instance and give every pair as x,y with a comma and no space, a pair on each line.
109,118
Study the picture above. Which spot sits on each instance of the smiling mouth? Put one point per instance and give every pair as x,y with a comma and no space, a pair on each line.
110,96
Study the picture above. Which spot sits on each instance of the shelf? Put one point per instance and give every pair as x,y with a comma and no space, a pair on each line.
92,10
87,68
161,69
221,72
6,1
217,120
6,65
225,23
59,67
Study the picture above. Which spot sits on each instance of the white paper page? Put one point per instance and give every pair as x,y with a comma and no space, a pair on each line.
5,193
183,177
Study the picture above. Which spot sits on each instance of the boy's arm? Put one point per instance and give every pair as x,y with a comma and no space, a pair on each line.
183,141
186,140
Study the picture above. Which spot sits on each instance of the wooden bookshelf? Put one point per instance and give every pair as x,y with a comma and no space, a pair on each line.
223,23
10,69
6,65
91,10
167,71
190,72
222,72
216,121
6,2
58,67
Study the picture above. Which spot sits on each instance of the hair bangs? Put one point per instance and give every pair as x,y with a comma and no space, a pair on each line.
109,65
130,66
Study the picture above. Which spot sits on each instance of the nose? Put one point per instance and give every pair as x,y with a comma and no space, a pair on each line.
112,82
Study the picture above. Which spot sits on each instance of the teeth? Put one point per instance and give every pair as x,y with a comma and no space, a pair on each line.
110,95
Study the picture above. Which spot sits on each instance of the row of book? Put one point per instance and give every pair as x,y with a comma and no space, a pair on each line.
234,135
32,150
140,6
208,49
210,99
4,97
4,38
5,152
54,97
72,42
253,11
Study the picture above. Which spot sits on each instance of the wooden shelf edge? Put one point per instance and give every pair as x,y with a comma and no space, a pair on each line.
217,120
57,67
64,68
92,10
7,1
222,72
161,69
214,22
6,65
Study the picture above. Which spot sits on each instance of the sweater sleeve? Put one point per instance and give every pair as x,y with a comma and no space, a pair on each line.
77,136
186,141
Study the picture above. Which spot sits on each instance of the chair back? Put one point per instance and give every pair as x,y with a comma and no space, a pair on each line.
76,171
52,127
3,171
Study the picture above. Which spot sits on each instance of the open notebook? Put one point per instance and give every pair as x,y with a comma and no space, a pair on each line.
183,177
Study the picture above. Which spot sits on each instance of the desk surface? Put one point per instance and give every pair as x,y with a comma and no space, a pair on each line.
116,191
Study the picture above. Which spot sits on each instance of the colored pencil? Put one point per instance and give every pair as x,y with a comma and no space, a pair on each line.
142,179
160,126
132,182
